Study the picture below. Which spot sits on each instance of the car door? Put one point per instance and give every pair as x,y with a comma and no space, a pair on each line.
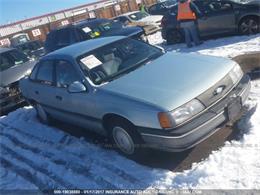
42,85
76,108
218,17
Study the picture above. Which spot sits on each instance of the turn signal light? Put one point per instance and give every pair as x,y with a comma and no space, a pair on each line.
164,120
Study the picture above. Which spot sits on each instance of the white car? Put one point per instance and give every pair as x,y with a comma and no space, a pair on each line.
150,23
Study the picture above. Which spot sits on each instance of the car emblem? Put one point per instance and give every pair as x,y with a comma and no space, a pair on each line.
219,90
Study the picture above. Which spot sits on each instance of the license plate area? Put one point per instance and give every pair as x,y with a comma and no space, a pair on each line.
234,108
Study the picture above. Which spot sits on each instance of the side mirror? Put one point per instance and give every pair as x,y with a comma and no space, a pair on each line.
77,87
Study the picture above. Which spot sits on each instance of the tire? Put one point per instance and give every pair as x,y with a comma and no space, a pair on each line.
173,37
126,139
248,26
42,114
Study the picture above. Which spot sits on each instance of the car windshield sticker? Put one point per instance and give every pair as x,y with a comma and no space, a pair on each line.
91,61
86,29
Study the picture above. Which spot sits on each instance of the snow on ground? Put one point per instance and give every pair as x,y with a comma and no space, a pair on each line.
36,156
225,47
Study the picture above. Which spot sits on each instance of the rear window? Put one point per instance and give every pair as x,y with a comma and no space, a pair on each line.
12,58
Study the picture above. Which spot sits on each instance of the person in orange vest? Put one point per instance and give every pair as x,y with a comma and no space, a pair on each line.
187,16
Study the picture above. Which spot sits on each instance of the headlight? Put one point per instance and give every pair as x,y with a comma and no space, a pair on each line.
28,72
180,115
236,74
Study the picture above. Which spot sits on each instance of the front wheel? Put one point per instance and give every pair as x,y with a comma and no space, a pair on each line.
249,26
127,141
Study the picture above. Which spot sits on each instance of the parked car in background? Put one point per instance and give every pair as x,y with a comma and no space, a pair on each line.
136,93
151,24
33,49
162,7
89,29
218,17
19,38
13,66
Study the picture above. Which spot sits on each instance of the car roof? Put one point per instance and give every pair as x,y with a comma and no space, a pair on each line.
5,49
90,22
77,49
87,22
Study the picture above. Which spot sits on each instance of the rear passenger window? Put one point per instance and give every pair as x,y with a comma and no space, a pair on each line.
45,72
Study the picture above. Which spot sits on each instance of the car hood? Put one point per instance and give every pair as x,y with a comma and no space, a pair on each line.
151,19
172,79
15,73
125,31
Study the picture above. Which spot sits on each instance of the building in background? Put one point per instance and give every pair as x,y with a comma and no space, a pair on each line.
37,28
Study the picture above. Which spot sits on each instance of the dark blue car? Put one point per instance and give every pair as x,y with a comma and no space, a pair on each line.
89,29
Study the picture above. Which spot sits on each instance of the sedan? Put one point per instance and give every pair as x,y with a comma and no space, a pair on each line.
218,17
136,94
13,66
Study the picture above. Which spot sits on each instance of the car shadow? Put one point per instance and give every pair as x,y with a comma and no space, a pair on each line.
174,161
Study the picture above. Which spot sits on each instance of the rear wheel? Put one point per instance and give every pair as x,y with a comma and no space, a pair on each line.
42,114
173,37
127,141
249,25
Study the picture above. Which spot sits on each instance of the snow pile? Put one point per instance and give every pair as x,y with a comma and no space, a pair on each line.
237,164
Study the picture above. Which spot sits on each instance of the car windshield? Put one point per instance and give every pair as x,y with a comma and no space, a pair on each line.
116,59
138,16
11,58
101,28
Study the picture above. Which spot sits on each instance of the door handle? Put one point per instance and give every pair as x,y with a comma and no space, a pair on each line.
58,97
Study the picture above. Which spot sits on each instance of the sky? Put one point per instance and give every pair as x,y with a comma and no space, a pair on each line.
15,10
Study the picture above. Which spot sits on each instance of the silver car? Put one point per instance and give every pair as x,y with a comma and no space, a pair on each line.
13,66
137,94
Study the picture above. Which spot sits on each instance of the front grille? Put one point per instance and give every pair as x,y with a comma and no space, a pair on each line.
210,96
14,89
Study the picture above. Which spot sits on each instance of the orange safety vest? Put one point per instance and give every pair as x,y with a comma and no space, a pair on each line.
185,12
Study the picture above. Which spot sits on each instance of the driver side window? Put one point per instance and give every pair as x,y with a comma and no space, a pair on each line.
218,7
65,74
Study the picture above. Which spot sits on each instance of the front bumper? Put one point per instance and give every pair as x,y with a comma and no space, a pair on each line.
10,99
201,127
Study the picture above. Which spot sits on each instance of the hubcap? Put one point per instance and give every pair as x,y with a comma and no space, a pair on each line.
123,140
249,26
41,113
